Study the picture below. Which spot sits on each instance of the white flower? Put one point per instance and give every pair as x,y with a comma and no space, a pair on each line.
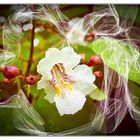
77,34
65,82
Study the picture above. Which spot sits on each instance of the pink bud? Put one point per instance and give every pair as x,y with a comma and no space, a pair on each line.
94,60
10,72
31,80
89,64
98,74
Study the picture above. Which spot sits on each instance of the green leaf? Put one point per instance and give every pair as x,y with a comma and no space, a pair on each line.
98,95
121,57
6,123
85,50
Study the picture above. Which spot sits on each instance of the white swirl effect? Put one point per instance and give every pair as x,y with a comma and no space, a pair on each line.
107,23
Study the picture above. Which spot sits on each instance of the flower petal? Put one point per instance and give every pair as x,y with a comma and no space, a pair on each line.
70,58
43,83
77,33
70,103
83,87
53,56
50,97
45,65
49,89
83,73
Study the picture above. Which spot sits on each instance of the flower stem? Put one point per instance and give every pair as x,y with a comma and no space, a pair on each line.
31,49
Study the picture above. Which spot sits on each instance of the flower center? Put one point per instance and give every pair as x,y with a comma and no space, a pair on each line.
60,80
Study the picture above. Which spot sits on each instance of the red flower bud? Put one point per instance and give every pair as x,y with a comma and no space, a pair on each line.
94,60
90,36
98,74
89,64
10,72
31,80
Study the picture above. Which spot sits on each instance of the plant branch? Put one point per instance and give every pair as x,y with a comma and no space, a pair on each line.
31,49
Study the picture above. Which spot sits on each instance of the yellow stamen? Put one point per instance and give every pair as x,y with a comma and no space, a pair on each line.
57,87
66,84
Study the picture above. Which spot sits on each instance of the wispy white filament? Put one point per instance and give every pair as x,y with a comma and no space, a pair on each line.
107,23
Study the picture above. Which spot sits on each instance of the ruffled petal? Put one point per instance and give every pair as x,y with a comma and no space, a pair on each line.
84,88
53,56
45,65
43,83
83,73
70,59
42,66
70,103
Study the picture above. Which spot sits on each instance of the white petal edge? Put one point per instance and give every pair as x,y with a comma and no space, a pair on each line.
70,59
50,97
83,73
84,88
71,103
43,83
45,65
53,56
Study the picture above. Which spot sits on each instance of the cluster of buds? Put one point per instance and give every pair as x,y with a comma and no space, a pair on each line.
12,71
95,61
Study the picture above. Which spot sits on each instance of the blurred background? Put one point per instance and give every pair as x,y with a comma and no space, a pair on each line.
128,125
